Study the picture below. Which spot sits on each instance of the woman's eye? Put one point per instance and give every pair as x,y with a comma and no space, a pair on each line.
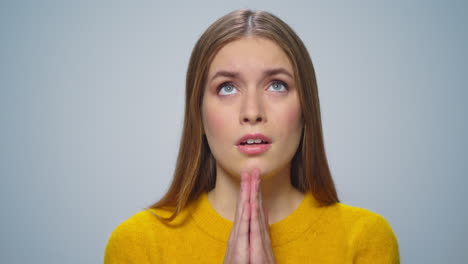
278,86
226,89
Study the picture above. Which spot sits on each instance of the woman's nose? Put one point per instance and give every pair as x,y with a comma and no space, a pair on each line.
252,110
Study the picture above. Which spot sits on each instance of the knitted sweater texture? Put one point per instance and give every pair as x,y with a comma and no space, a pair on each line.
311,234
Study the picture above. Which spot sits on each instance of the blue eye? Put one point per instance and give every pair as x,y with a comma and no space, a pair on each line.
226,89
279,86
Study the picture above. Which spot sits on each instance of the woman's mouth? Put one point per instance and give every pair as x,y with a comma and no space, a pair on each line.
253,144
253,149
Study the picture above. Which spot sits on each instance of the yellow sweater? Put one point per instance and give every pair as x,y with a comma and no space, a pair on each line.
311,234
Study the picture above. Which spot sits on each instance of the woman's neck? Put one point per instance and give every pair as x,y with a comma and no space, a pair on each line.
278,195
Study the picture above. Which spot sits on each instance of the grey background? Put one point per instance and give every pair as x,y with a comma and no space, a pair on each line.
92,98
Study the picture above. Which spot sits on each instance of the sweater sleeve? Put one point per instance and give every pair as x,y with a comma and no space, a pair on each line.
377,244
125,245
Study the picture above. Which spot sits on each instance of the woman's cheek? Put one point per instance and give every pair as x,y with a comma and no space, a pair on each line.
215,121
287,116
293,117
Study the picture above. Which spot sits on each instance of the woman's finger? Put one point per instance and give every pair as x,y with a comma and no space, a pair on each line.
244,196
242,221
262,224
238,244
260,243
265,213
255,235
263,220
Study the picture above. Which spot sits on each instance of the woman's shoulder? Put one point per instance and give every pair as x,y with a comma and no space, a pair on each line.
147,219
371,232
137,222
143,230
359,217
357,214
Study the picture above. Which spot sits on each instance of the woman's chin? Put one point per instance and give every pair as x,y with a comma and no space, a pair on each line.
251,165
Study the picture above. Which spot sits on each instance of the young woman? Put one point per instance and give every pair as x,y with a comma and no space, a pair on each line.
252,183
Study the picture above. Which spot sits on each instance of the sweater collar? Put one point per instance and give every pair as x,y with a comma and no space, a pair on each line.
307,215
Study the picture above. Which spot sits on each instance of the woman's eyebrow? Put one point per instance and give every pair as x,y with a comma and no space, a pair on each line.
267,72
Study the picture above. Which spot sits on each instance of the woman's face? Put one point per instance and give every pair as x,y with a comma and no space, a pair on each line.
250,90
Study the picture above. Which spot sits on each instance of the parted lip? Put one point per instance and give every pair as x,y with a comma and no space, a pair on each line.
253,136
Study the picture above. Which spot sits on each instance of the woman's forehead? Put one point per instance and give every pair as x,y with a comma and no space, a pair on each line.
250,55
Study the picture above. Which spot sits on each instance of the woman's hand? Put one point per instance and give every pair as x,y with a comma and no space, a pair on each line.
238,250
249,241
260,243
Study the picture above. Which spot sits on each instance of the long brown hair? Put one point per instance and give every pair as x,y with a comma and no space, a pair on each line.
195,170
